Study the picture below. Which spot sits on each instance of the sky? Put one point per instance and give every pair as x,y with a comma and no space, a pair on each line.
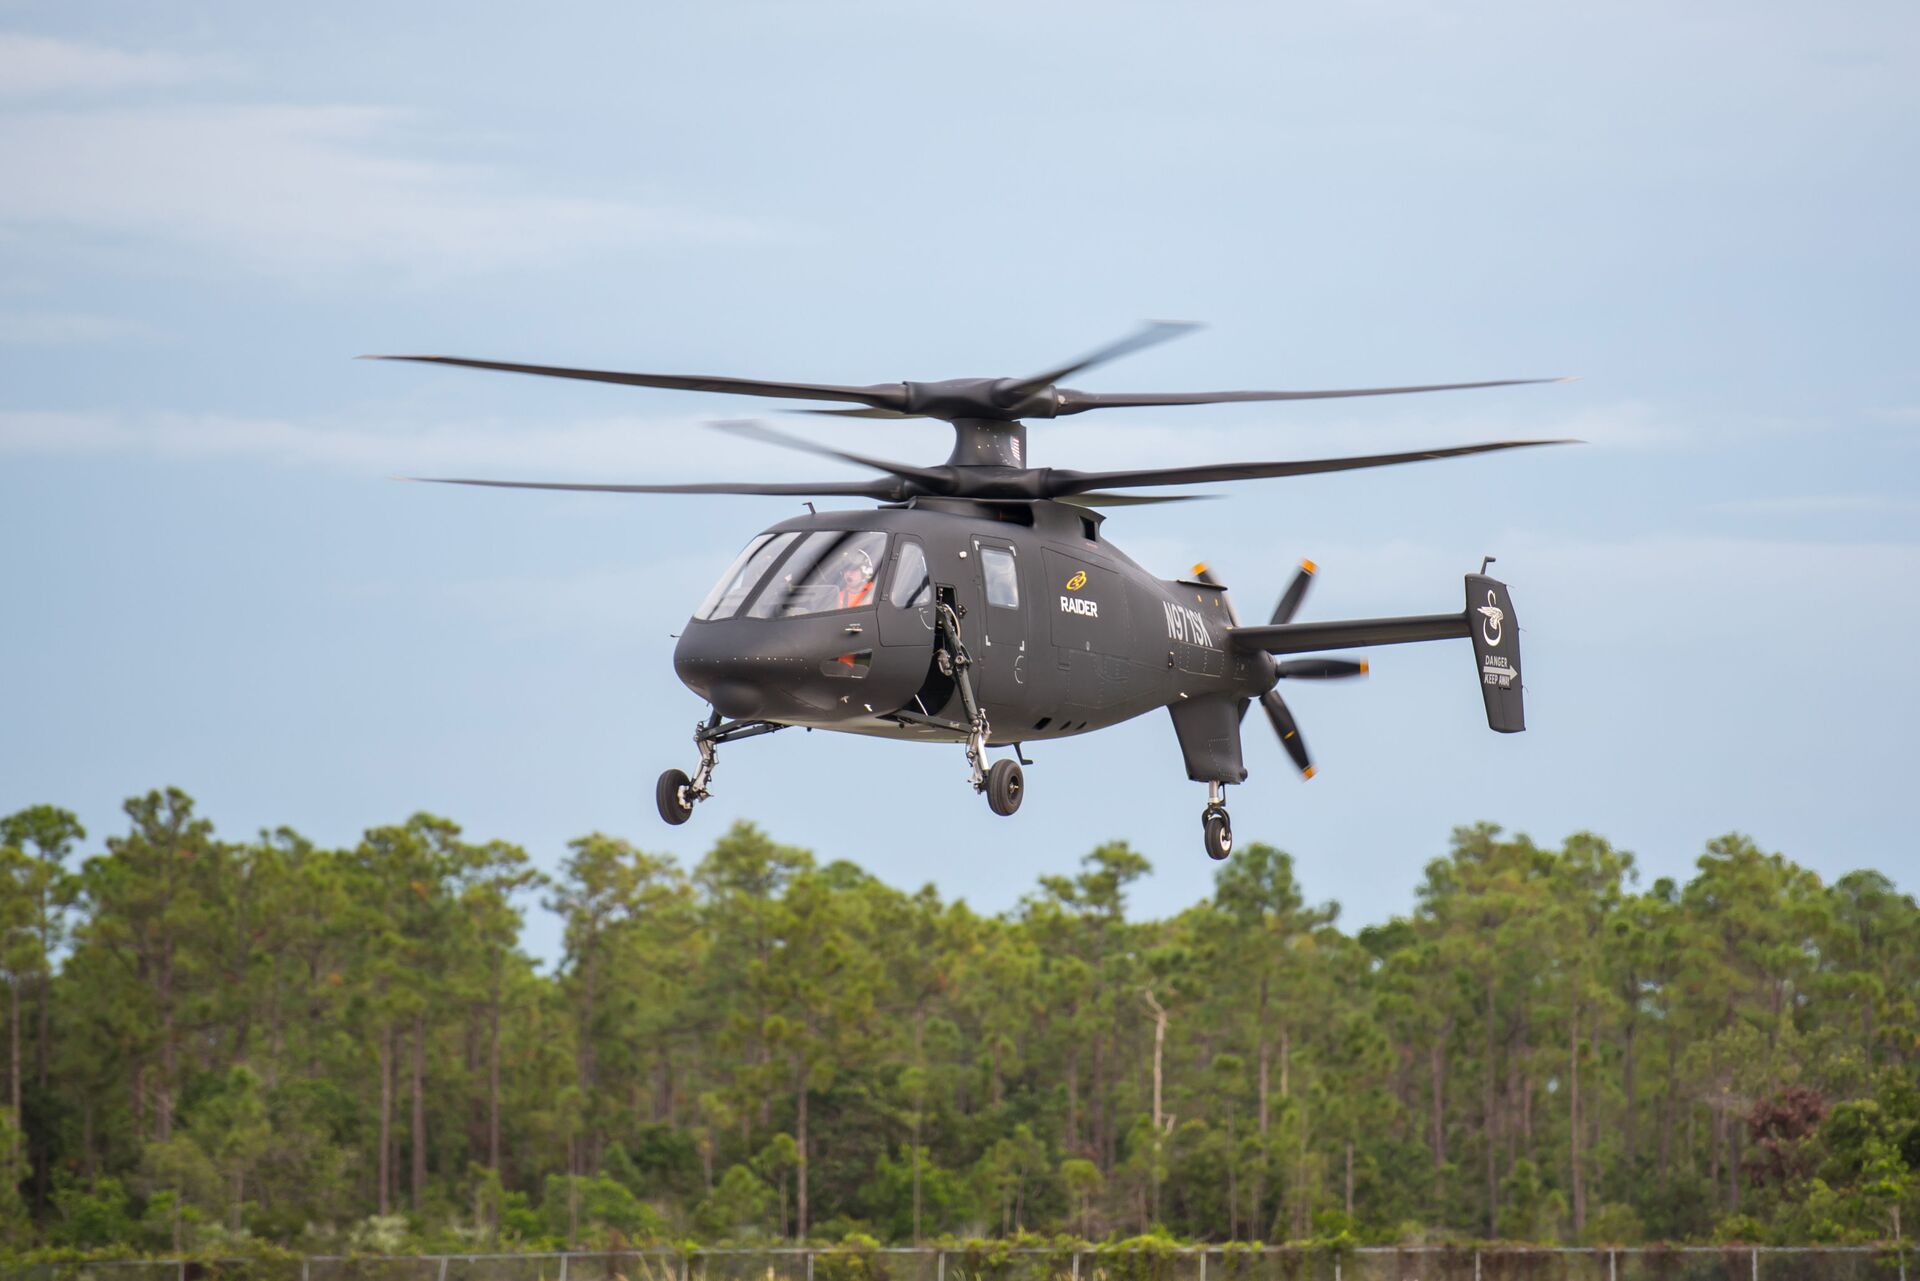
1706,212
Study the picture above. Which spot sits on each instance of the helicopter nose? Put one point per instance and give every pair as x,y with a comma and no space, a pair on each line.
732,697
740,683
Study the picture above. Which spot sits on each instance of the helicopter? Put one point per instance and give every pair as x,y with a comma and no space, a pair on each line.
981,603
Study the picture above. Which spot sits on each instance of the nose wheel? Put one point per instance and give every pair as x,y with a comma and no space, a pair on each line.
674,793
1216,828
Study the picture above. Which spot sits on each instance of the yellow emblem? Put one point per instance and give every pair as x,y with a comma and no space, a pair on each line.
1078,581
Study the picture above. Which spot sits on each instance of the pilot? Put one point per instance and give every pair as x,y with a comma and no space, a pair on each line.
856,581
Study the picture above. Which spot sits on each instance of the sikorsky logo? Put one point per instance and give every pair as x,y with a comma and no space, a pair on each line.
1080,605
1078,581
1495,616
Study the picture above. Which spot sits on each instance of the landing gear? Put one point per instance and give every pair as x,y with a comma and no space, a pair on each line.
1215,826
675,793
1005,786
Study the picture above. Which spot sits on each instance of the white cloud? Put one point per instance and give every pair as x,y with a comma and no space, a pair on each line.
306,192
37,66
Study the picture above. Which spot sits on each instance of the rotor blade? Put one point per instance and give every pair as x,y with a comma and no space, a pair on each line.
1074,402
1132,500
1289,732
748,429
1295,593
1063,481
1321,669
1150,334
890,490
858,413
880,395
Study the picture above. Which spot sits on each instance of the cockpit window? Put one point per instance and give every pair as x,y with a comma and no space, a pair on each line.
830,569
725,598
910,588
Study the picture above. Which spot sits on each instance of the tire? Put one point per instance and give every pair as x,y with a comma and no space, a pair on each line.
1218,834
1005,786
670,794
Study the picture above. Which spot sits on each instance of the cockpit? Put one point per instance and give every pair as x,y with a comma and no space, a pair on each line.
814,626
797,573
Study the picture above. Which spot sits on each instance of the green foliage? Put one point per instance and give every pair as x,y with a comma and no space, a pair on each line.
223,1045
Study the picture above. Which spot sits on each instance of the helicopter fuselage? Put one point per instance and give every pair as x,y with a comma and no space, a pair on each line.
1066,633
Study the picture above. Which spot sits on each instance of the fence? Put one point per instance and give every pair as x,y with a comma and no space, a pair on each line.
1193,1263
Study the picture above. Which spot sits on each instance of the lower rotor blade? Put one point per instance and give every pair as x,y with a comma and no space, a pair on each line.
1283,725
1321,669
1063,481
880,395
1295,593
747,429
1132,500
886,490
857,413
1075,402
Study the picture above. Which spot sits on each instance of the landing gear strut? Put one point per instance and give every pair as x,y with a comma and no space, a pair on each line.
1216,828
675,793
1003,783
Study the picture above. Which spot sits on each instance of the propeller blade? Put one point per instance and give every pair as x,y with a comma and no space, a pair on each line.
1132,500
1321,669
1295,593
1075,402
1289,732
748,429
1064,481
1150,334
1203,573
886,490
878,396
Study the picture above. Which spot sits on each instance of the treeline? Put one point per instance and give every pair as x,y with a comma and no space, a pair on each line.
209,1040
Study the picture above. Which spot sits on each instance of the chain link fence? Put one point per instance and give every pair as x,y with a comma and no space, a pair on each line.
1195,1263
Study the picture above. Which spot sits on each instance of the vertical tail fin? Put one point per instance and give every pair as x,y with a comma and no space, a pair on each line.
1495,633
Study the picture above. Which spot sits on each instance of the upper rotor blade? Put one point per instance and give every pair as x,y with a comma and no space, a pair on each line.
1063,481
750,430
890,490
1288,730
1150,334
1074,402
880,395
1296,592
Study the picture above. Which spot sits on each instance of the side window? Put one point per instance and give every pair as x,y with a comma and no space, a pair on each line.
1003,582
910,588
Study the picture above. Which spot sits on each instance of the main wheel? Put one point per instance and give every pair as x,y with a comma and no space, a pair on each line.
1005,786
1218,829
670,794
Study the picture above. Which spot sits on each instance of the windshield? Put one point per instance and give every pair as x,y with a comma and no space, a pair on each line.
830,569
747,568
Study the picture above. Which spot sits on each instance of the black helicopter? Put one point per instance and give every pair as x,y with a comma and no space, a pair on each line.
981,602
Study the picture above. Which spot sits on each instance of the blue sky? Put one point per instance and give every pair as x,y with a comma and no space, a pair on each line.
1706,211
